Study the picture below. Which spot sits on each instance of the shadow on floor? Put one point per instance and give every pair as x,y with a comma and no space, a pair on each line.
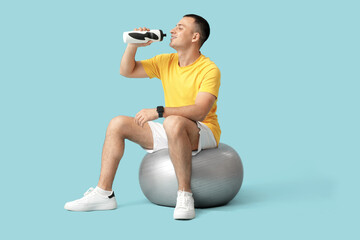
255,195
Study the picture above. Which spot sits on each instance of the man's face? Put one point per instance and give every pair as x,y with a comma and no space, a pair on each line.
182,34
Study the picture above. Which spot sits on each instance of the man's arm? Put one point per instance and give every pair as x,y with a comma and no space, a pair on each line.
128,66
196,112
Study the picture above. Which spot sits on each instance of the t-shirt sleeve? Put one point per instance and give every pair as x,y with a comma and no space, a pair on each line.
153,65
211,82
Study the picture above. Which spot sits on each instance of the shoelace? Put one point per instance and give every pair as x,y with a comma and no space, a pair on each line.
89,191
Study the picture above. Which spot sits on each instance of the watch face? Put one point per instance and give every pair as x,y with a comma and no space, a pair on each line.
160,110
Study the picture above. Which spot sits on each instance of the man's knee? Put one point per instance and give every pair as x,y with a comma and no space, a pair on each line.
175,125
118,125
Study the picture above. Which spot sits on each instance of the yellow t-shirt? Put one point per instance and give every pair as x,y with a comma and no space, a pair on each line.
182,84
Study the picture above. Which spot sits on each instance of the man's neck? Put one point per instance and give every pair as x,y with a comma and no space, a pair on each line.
188,57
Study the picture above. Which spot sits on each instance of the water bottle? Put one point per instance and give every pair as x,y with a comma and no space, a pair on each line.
143,36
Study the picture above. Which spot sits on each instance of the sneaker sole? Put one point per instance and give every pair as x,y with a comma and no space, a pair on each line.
184,216
97,207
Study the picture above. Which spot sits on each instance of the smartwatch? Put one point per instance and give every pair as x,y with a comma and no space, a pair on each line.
160,110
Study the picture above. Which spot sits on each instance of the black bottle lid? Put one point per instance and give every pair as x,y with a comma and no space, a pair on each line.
162,35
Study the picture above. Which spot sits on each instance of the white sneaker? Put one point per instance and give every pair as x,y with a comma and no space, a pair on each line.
92,200
184,206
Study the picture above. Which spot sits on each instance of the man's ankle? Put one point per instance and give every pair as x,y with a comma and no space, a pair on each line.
103,192
185,190
104,187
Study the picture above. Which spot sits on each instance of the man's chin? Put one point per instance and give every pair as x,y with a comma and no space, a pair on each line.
172,45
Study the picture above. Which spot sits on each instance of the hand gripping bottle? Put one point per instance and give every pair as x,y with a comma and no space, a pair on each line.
143,36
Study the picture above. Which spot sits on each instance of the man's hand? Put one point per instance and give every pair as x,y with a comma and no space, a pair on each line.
141,44
146,115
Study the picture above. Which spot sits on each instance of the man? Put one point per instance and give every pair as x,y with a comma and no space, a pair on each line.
191,83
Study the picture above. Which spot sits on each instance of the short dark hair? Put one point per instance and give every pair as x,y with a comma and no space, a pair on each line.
202,25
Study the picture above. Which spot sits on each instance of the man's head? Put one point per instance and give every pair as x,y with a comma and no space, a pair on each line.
191,29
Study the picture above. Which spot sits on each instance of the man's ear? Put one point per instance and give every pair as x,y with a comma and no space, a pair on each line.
196,37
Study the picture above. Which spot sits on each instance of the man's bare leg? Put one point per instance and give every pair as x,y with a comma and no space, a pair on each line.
119,129
183,137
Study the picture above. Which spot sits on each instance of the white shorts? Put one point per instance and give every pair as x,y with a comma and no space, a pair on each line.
206,139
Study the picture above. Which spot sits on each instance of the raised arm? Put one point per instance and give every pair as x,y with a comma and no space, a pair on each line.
128,66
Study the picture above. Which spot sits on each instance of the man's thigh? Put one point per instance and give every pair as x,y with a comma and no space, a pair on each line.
135,133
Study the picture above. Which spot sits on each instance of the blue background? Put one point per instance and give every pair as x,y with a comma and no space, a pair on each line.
288,103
